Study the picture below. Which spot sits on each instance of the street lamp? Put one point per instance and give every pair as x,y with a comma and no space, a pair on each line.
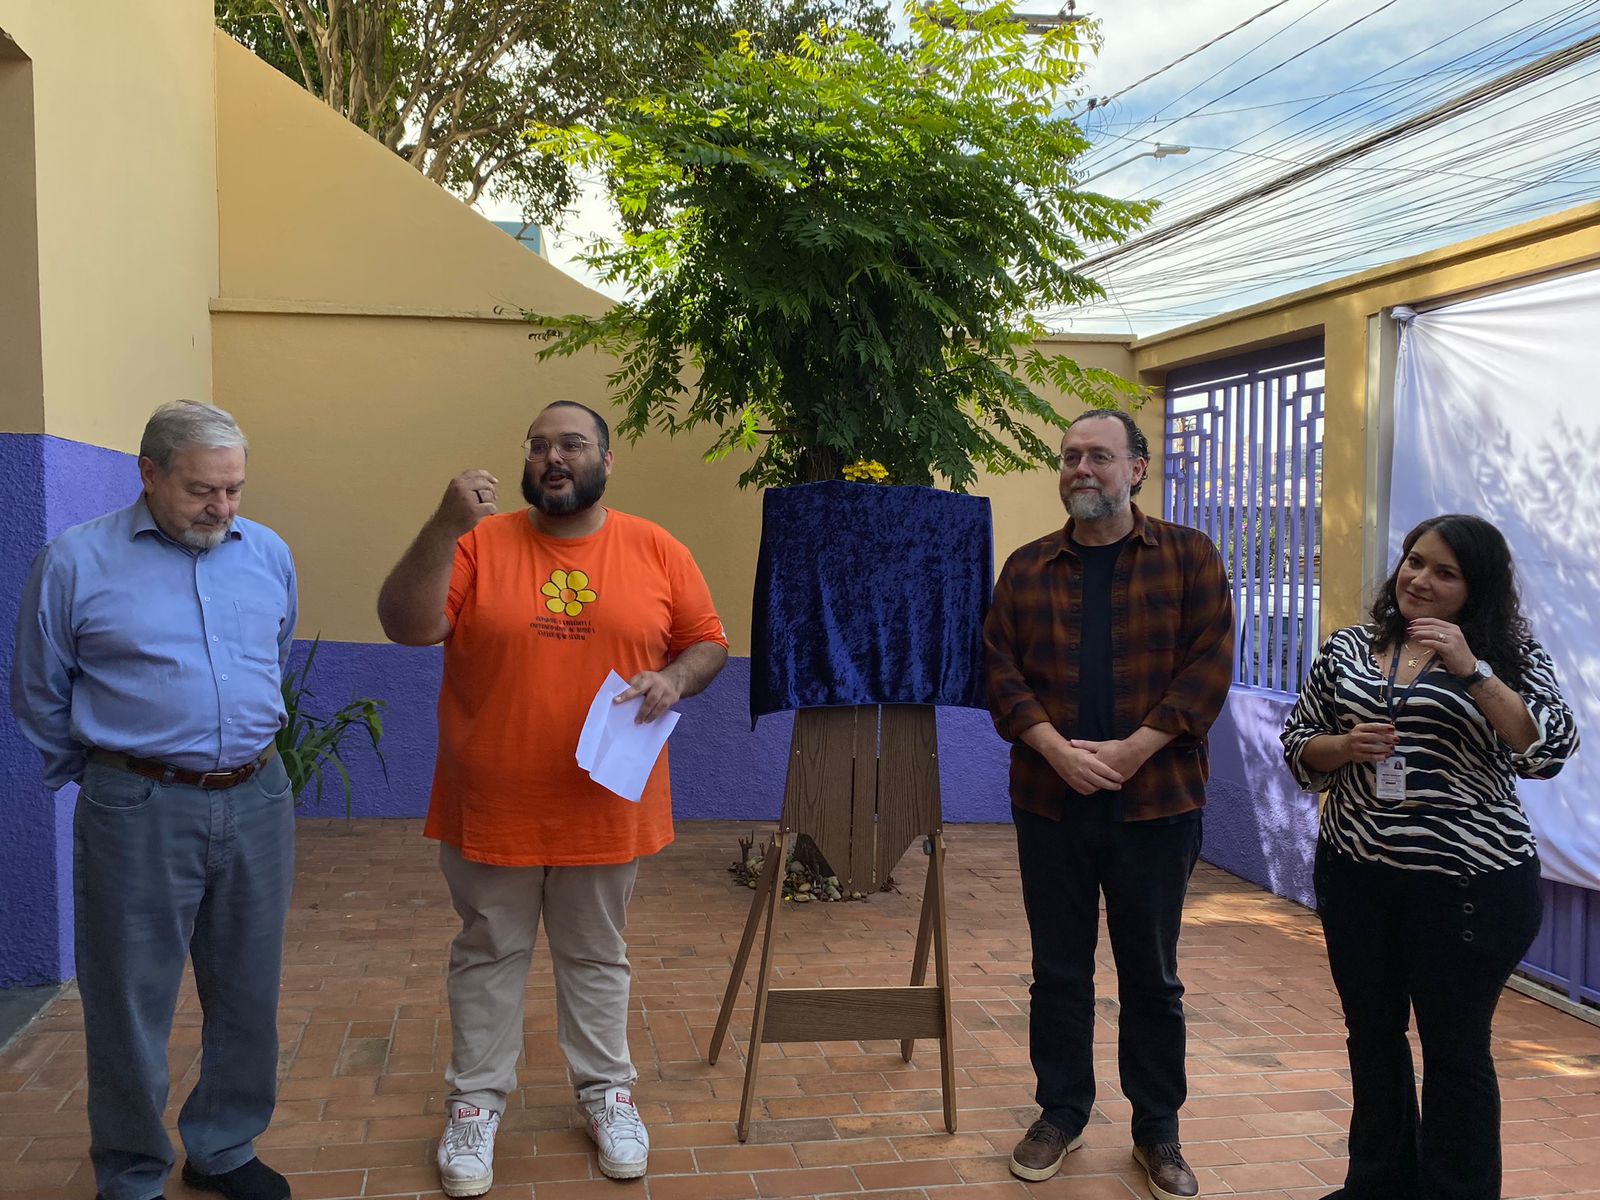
1040,22
1161,150
1037,22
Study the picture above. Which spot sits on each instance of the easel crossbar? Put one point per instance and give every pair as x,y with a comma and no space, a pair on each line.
853,1014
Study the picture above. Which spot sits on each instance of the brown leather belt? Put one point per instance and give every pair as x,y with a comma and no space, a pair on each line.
216,781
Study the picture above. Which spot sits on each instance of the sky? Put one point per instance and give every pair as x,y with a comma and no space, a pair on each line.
1296,83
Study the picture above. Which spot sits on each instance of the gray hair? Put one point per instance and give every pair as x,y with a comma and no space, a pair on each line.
181,423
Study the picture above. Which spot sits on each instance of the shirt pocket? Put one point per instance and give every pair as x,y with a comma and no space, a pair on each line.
1159,618
257,632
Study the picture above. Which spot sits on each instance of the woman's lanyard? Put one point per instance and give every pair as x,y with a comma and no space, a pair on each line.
1396,704
1390,784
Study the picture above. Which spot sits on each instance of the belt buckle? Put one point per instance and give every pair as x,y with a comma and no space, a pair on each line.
213,779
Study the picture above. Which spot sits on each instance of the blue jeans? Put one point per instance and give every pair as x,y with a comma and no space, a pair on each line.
164,872
1142,868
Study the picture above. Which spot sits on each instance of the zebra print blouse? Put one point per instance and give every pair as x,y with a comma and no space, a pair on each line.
1461,815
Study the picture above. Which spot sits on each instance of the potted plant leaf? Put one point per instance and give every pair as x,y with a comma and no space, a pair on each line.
310,744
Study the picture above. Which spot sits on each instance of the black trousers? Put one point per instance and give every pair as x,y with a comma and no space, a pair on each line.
1143,869
1402,940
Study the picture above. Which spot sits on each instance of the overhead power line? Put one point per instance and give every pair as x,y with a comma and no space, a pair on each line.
1492,89
1412,94
1277,66
1431,171
1186,57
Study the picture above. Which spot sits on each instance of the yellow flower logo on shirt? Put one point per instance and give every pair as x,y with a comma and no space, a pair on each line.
568,592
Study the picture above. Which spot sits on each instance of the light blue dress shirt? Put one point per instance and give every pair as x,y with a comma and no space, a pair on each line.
129,642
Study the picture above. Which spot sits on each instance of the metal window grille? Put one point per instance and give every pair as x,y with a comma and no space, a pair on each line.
1244,463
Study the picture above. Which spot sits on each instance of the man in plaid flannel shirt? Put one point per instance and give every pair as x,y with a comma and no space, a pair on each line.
1110,648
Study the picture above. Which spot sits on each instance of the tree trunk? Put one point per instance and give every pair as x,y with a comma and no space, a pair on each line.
818,463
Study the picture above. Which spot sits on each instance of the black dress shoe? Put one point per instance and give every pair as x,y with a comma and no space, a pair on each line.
253,1181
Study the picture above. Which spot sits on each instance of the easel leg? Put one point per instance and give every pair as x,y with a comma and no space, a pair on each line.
919,959
741,960
752,1058
941,946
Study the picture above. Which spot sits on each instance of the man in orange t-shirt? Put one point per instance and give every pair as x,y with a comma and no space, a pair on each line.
534,608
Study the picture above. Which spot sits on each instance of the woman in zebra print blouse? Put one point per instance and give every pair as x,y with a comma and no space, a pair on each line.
1427,880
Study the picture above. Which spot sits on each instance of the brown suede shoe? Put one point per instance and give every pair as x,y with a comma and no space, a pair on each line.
1166,1172
1041,1151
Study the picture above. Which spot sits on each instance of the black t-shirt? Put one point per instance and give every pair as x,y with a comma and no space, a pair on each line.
1097,710
1097,705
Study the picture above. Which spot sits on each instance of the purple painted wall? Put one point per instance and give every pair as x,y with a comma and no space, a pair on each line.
1259,825
1566,954
720,768
30,952
46,485
407,678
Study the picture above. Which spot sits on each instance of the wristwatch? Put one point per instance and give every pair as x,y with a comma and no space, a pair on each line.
1480,671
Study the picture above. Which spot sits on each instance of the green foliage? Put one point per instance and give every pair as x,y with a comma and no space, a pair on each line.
451,85
310,744
843,246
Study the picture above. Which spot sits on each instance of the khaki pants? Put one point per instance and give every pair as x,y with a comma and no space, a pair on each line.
585,911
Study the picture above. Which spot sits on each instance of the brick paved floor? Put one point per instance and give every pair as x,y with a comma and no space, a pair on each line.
365,1037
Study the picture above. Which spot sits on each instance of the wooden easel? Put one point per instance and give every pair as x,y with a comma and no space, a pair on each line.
864,784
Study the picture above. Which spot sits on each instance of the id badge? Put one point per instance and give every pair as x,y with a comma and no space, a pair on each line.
1392,778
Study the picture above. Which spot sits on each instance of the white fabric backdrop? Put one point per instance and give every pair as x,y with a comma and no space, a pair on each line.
1497,412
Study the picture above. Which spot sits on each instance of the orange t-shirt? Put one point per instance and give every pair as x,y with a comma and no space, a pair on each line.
535,624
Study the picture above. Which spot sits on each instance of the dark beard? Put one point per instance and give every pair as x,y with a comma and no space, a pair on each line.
588,485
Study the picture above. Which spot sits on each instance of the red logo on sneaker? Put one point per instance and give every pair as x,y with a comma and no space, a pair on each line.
624,1098
466,1110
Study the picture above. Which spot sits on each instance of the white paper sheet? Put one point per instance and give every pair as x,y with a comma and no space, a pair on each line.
614,748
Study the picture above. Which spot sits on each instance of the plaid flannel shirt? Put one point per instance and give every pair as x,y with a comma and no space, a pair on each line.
1172,636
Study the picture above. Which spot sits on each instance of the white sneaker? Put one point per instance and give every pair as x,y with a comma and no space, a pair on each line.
466,1151
615,1126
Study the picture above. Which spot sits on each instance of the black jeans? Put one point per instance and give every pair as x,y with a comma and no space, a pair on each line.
1143,868
1444,946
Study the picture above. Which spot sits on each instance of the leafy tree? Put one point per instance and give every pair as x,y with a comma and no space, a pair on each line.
841,247
451,85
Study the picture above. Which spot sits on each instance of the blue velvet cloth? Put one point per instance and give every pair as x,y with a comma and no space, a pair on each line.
868,594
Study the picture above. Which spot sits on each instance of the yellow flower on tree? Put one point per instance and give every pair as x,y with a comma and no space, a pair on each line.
568,592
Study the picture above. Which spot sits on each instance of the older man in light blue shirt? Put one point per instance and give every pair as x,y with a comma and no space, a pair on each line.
149,663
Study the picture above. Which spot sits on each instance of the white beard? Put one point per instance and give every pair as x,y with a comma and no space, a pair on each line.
1097,506
206,539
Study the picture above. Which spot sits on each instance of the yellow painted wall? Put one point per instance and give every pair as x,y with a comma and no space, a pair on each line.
124,143
356,340
1340,311
358,423
312,210
21,361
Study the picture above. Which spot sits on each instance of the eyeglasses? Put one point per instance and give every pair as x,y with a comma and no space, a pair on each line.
1099,458
570,445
